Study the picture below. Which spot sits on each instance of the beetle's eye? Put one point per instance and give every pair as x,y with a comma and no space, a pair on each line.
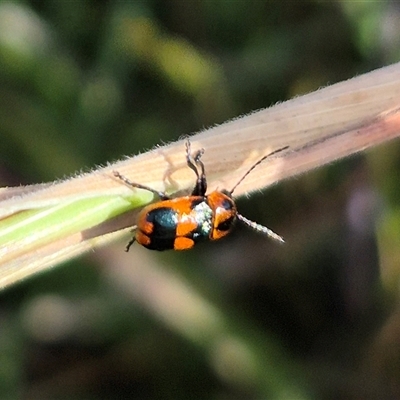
226,204
226,225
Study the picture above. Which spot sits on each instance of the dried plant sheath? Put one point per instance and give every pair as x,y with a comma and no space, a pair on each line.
49,224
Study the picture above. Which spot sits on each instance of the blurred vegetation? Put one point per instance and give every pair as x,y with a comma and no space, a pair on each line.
83,83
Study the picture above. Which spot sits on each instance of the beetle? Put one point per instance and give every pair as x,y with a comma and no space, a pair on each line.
180,223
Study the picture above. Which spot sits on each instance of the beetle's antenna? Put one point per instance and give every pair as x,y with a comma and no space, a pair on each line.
260,228
255,165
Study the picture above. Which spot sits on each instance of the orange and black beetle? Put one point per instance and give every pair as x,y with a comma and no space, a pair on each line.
179,223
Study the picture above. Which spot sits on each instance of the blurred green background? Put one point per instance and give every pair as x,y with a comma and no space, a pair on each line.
84,83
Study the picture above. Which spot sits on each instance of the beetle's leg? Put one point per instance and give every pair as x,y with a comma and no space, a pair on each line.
194,163
130,243
128,182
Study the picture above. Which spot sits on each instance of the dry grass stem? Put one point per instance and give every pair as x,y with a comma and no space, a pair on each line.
319,128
